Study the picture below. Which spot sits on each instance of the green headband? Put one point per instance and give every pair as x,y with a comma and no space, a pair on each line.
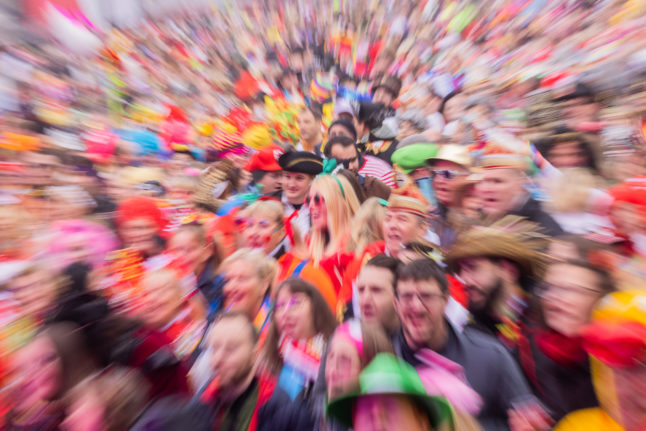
329,165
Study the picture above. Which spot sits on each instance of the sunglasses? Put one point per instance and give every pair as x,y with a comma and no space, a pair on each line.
346,162
315,200
447,174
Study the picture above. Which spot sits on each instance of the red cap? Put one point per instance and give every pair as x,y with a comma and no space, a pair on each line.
265,159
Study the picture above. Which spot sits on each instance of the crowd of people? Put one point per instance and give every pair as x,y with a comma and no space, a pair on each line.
346,215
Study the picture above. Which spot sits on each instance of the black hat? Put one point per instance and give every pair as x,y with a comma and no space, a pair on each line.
372,114
580,91
345,123
301,161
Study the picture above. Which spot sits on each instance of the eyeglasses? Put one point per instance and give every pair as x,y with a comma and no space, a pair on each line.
315,200
447,174
426,298
545,287
295,302
346,162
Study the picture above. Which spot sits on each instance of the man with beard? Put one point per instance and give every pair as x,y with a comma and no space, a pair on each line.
498,265
239,397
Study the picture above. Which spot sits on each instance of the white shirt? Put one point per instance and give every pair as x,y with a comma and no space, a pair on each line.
301,220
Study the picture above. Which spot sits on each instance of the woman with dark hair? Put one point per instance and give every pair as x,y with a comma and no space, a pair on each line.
551,352
301,325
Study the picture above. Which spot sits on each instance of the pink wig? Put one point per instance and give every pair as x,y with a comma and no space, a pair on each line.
98,240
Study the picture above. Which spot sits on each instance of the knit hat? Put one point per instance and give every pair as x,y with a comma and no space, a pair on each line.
408,199
388,375
513,238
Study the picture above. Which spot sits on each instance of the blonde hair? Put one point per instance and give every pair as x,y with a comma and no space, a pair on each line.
367,224
272,209
570,192
264,266
341,203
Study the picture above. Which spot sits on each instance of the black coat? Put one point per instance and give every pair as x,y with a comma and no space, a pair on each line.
562,389
279,413
532,211
489,369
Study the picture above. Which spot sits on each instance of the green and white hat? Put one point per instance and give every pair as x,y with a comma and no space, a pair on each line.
388,375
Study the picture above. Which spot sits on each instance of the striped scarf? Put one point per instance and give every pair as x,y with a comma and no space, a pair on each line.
301,359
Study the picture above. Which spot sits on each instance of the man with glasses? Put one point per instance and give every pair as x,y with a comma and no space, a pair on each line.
421,297
449,170
345,151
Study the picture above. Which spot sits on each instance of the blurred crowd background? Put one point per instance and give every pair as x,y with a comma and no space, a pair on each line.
151,152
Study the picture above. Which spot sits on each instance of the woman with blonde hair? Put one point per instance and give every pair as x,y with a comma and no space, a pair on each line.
263,227
332,204
249,275
367,224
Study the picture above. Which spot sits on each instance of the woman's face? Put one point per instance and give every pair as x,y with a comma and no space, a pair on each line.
139,234
185,246
36,293
262,232
85,413
342,368
38,371
243,290
161,301
293,314
318,211
571,294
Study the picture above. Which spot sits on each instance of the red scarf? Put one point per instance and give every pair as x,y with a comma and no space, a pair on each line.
563,350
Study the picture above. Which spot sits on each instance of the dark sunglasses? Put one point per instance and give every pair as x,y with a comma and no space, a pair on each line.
447,174
346,162
314,200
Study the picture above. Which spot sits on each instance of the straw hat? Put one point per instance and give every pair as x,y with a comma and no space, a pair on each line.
513,238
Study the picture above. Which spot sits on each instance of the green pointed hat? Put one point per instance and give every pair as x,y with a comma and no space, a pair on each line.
388,375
